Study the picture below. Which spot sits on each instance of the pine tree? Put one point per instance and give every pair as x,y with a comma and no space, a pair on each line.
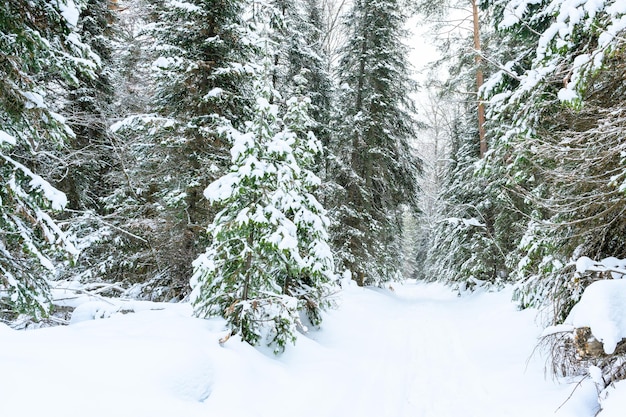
269,259
439,13
40,54
374,165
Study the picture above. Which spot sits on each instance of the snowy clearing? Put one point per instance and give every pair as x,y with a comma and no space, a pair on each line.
416,351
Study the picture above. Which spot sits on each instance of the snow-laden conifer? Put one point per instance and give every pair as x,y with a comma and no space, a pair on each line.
556,116
374,164
269,259
184,65
40,54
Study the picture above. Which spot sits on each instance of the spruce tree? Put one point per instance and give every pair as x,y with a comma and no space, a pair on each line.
199,72
374,164
203,76
40,55
556,105
297,37
306,57
269,259
93,170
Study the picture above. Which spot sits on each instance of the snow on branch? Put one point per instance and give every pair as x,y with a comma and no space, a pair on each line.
57,199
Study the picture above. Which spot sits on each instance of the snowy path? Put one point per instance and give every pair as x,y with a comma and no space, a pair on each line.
428,353
419,351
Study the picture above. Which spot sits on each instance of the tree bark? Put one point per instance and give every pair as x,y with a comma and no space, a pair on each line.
479,80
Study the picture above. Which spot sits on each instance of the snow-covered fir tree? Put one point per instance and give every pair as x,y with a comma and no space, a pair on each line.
478,222
92,168
40,55
440,115
374,164
554,105
557,109
465,247
269,259
296,32
197,55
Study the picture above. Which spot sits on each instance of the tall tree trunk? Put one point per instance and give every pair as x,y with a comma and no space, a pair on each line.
479,80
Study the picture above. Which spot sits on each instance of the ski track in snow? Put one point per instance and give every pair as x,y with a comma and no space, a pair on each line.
437,355
418,351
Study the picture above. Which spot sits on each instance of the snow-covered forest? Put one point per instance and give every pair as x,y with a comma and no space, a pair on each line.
296,176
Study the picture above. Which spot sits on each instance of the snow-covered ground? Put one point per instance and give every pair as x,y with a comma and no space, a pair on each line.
416,351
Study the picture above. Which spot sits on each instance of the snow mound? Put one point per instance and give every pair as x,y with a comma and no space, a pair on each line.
93,310
602,308
109,307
